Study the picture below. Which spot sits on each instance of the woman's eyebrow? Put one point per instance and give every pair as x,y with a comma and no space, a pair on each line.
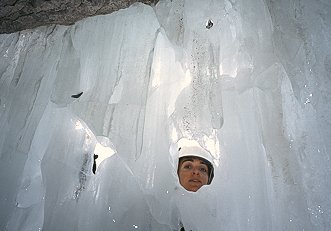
204,163
187,159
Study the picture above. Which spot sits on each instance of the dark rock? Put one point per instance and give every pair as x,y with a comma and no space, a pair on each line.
209,24
94,167
17,15
77,95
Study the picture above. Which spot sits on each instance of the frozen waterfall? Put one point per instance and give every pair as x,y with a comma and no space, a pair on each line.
250,80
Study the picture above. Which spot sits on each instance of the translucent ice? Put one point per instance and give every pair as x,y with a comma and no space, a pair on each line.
249,80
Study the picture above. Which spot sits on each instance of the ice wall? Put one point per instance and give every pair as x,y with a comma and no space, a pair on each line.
250,80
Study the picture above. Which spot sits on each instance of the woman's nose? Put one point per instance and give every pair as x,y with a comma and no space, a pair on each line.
196,171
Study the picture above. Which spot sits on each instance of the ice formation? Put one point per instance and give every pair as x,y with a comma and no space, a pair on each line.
249,79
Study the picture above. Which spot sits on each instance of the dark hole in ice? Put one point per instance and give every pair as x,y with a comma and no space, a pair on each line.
77,95
209,24
94,168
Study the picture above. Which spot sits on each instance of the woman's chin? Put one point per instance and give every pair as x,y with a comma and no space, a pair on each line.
192,187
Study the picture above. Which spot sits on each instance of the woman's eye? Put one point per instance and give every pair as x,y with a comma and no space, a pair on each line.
187,166
203,169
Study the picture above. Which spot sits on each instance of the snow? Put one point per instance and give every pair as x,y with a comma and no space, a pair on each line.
253,88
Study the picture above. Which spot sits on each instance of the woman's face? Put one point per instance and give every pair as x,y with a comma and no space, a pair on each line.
192,173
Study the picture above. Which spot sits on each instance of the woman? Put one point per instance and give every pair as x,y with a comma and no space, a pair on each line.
195,167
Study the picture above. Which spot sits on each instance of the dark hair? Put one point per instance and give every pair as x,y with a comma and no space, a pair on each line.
206,162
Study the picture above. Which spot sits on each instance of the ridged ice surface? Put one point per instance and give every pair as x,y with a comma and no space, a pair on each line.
249,79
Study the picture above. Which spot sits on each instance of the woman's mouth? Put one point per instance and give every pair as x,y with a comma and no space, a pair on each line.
195,181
